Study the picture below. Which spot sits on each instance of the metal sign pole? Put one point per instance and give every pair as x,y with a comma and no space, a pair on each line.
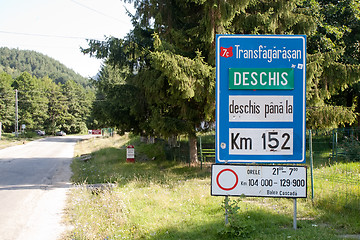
311,165
295,210
226,210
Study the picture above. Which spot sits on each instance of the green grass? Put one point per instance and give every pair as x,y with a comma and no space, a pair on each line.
9,139
159,199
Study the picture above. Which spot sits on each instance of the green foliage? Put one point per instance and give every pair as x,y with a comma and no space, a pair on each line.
118,104
237,226
43,104
333,64
28,134
168,200
274,17
15,62
146,152
326,78
350,148
50,96
159,79
329,116
79,101
57,110
32,101
188,91
7,101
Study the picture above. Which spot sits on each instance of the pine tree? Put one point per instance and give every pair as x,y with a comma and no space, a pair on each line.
32,101
119,104
7,102
169,60
332,65
79,103
57,106
187,31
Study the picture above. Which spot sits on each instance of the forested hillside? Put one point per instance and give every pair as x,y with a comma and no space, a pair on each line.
15,62
44,104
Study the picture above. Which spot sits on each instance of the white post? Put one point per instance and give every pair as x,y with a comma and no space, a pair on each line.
0,129
16,114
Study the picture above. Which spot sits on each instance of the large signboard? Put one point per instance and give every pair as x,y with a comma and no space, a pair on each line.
259,181
260,98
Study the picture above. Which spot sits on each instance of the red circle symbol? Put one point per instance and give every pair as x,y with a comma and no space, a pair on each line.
230,188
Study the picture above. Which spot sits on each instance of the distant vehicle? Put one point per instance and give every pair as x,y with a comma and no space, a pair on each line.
40,132
60,133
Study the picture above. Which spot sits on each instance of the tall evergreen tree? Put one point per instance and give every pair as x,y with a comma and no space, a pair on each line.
57,106
170,57
116,101
183,95
43,104
177,72
79,103
7,102
333,64
171,90
33,103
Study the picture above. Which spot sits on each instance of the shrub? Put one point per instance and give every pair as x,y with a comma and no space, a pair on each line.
350,148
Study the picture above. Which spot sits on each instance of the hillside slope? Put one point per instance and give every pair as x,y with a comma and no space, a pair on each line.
15,62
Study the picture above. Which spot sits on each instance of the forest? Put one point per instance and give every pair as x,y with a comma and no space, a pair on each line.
50,96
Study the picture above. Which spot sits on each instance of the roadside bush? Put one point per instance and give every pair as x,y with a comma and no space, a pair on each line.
30,134
155,151
238,226
350,148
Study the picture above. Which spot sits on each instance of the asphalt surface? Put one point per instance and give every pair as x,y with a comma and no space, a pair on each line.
34,180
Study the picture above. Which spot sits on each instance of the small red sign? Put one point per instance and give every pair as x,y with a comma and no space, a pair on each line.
226,52
130,153
96,132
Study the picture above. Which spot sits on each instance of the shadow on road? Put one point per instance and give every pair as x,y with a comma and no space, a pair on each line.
34,173
67,139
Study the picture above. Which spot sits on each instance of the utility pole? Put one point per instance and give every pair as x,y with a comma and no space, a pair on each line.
16,114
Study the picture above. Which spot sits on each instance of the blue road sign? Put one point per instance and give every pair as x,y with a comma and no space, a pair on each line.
260,98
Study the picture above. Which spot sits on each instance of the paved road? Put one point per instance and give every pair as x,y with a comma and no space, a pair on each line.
34,179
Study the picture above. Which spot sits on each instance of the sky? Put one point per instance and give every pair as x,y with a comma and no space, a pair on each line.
58,28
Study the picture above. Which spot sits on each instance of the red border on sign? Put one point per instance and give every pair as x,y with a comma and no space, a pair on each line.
231,188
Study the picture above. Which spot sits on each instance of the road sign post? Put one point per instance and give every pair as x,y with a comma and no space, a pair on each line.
130,153
260,98
259,181
260,116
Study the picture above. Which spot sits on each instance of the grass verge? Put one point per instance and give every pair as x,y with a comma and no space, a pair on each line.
9,139
158,199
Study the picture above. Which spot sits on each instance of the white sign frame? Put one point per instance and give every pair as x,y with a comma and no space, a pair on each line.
228,56
278,181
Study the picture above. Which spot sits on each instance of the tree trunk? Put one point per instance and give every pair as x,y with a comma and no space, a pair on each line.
193,149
